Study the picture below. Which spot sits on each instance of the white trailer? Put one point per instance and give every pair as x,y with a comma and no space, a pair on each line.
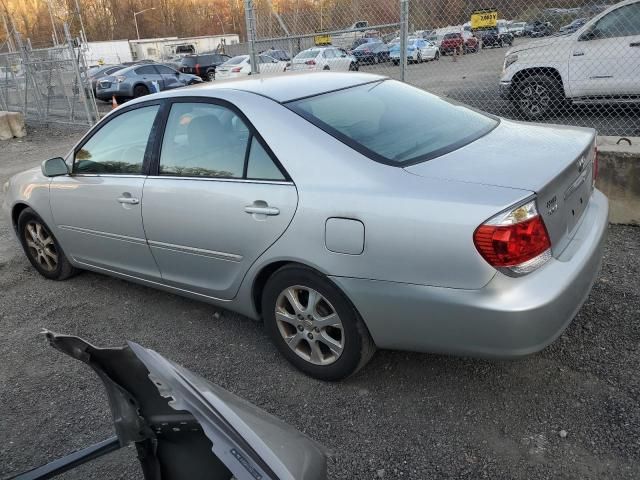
107,52
160,49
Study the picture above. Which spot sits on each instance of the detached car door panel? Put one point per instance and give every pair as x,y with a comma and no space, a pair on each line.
97,209
218,202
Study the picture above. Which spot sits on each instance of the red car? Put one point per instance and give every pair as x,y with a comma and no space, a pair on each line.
454,41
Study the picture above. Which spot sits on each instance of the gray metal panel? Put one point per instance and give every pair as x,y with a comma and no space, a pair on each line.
344,235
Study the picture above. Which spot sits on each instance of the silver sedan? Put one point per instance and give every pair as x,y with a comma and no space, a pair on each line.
348,211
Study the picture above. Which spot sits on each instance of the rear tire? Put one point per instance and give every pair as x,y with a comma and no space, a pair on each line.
326,67
396,62
353,67
323,351
42,248
140,91
537,96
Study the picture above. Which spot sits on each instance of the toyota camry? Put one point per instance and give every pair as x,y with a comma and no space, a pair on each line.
347,211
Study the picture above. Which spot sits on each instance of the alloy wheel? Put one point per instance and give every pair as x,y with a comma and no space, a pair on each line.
41,245
535,98
309,325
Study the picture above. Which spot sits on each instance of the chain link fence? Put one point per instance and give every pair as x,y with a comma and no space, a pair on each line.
563,61
48,84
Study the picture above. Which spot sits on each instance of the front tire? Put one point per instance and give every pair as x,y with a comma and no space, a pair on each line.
314,325
437,56
353,67
211,75
537,96
42,248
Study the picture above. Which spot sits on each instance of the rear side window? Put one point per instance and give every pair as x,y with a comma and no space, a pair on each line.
146,70
119,146
189,62
208,140
393,122
308,54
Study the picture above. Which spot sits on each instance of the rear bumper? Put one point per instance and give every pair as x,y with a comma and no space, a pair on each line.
117,90
508,318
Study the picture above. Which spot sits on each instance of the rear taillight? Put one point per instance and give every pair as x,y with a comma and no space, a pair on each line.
236,69
197,69
515,242
310,62
594,167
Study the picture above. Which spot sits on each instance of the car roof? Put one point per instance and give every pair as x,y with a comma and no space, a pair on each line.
287,87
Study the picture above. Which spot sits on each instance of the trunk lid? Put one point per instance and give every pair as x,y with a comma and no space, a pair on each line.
554,162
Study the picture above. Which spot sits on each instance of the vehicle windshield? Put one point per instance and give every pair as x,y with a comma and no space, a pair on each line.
236,60
392,122
308,54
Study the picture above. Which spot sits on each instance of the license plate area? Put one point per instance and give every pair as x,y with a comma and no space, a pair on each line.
576,200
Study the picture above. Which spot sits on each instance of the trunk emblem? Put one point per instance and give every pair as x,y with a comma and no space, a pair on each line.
552,206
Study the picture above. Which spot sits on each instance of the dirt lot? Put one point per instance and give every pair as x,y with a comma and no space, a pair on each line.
405,415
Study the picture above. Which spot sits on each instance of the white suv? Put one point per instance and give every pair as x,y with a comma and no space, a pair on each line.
599,63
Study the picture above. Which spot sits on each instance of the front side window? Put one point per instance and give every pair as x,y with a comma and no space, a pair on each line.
393,122
328,53
623,22
119,146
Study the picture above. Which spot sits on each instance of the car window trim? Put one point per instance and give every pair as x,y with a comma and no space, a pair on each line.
154,170
146,159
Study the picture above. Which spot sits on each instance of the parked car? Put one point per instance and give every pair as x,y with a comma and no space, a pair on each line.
324,58
280,55
495,37
517,28
394,219
240,66
597,64
538,29
203,65
573,26
362,41
140,80
374,52
96,73
452,42
418,50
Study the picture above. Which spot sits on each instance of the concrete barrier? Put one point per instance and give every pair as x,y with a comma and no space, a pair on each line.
619,177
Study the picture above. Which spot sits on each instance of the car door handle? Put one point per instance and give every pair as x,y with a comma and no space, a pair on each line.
129,200
260,210
634,44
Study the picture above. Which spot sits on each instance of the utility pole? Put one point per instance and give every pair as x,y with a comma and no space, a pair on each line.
135,18
250,19
53,24
84,33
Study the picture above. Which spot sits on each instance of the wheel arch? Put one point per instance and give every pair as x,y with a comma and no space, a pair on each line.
16,210
551,72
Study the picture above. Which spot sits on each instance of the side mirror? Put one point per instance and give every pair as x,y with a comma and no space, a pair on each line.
55,167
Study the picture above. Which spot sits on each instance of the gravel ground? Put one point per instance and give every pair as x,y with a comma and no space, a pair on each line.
405,415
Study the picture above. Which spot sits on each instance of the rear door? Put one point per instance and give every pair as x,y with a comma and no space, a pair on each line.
170,77
148,74
97,209
217,200
605,60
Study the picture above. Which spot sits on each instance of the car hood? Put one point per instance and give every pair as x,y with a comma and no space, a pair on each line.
514,155
547,42
199,427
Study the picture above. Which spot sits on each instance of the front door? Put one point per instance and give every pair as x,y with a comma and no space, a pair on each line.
605,59
150,75
97,209
218,201
170,77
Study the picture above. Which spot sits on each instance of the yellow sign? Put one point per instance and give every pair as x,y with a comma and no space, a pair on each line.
484,19
322,39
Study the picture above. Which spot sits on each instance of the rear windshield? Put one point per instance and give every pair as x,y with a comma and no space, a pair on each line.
452,35
308,54
235,60
394,123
